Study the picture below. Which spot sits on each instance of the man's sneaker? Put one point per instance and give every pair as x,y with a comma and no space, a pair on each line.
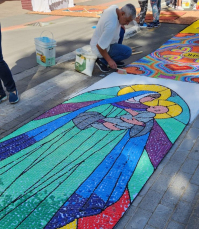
143,25
179,8
158,24
153,25
13,97
3,98
120,64
101,66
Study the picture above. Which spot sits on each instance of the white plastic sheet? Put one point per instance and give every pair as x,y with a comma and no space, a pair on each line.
188,91
41,5
49,5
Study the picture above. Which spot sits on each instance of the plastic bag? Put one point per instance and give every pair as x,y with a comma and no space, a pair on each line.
132,30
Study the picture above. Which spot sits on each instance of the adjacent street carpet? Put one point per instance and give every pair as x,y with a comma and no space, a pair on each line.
177,59
77,11
178,17
175,17
164,16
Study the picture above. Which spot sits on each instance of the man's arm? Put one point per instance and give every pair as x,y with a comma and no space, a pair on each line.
106,56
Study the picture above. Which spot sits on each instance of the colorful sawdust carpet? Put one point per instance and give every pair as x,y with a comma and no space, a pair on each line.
177,59
82,163
77,11
177,17
164,16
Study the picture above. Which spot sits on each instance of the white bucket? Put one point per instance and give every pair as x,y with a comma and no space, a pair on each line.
85,60
45,50
186,4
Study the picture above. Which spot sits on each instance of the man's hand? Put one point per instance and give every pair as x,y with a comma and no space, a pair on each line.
106,56
112,64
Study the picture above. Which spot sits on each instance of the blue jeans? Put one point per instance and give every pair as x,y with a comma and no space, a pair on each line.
5,74
156,8
118,51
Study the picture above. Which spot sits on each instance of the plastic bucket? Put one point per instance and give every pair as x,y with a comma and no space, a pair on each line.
186,4
45,50
85,61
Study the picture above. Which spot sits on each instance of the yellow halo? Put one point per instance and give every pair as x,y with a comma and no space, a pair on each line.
125,90
173,108
164,92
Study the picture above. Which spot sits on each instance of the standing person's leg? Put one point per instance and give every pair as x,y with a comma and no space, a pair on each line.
194,2
155,5
174,3
179,5
2,92
143,6
154,10
6,77
159,10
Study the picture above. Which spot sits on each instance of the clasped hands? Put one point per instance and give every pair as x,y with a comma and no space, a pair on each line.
112,126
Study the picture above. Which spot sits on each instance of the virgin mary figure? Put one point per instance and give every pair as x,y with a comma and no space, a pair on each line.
80,163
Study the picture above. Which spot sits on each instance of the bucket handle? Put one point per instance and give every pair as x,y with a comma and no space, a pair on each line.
49,32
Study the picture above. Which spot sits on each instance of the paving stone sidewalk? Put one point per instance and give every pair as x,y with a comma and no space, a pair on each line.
170,198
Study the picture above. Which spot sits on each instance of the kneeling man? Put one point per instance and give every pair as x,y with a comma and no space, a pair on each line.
107,39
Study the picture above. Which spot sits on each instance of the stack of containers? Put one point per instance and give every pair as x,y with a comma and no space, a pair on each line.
45,50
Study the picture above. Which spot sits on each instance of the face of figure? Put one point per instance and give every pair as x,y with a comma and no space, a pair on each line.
158,109
123,20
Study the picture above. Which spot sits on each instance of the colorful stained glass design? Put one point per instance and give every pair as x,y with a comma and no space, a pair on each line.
177,59
82,163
